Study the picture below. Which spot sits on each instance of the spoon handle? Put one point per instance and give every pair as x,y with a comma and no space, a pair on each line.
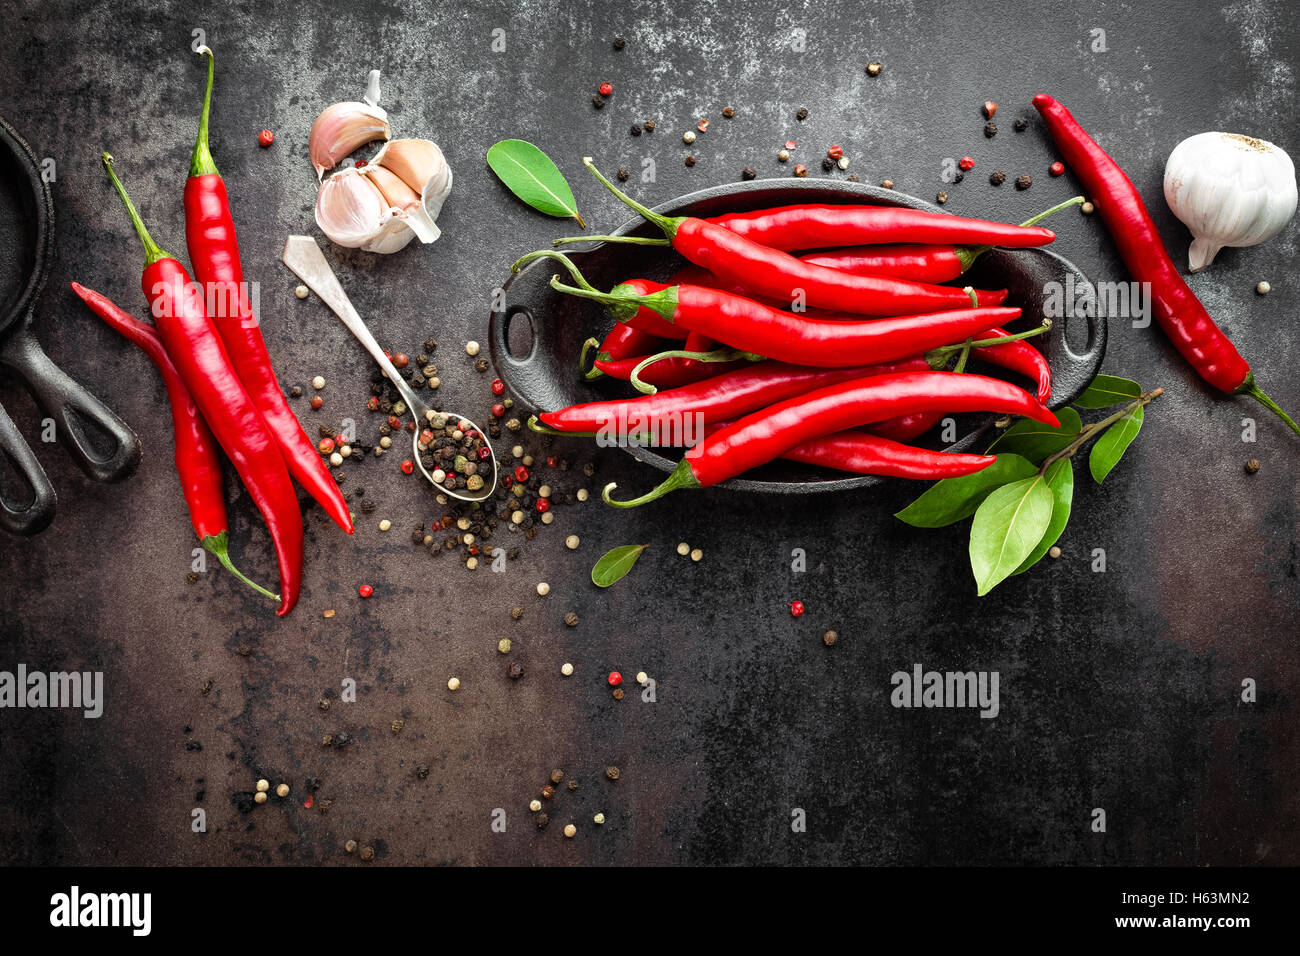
305,260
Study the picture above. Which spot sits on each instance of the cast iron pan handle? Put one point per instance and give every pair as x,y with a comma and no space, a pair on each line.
32,512
100,443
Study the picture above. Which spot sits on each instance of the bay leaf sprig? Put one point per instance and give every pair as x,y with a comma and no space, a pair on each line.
1022,502
532,176
615,564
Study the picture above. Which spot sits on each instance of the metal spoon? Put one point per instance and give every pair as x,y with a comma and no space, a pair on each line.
305,260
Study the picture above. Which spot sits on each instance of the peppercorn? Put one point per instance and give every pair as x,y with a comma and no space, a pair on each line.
612,773
259,797
728,112
618,693
990,130
874,68
989,109
566,669
367,853
1024,182
619,43
801,113
623,174
542,820
1020,125
606,89
886,184
1252,466
941,197
571,619
800,170
615,678
966,162
295,391
828,164
547,792
688,137
636,129
265,138
515,671
796,608
1087,209
690,161
1263,288
958,177
829,638
557,776
365,590
649,126
317,402
503,645
598,101
1056,168
782,155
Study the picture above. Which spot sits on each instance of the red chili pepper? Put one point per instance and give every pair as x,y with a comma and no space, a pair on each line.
624,341
825,226
719,399
214,254
906,427
1019,356
196,449
194,346
766,434
1179,312
871,454
779,275
800,339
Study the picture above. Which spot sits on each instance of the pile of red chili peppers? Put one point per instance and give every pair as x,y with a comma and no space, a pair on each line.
841,384
219,377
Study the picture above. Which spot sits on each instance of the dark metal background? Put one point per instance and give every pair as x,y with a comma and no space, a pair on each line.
1119,690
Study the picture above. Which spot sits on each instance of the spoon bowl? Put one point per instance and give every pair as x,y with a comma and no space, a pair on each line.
305,260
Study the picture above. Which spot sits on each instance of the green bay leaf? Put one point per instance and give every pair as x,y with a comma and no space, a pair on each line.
615,563
533,177
1112,444
1007,525
952,499
1036,440
1107,390
1060,480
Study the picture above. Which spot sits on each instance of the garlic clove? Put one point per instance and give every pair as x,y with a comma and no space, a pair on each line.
343,127
415,161
350,209
399,195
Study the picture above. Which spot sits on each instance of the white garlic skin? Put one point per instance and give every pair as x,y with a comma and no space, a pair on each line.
1229,190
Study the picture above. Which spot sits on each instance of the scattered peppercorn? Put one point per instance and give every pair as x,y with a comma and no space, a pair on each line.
827,164
547,792
367,853
598,101
796,608
966,162
690,160
635,129
990,129
688,137
1020,125
615,678
516,613
874,68
749,172
618,693
612,773
623,174
365,590
317,402
557,776
783,155
265,138
1252,466
1263,288
1053,552
515,671
1056,168
571,619
800,170
282,790
886,184
606,89
1087,208
619,43
503,645
941,198
649,126
566,669
702,125
1024,182
830,637
542,820
989,109
728,112
998,178
801,113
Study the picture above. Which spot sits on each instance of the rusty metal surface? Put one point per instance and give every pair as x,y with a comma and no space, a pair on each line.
1119,690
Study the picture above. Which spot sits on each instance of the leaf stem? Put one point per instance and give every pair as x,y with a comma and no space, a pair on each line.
1096,428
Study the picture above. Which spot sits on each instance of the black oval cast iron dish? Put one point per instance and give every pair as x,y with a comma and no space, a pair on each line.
546,378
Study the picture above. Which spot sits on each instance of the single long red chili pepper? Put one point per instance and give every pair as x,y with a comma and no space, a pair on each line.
214,254
761,436
730,395
1177,309
624,341
780,276
907,427
195,448
1018,356
867,453
205,368
819,226
798,339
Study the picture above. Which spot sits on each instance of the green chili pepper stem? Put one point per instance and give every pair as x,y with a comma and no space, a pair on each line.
593,373
201,163
968,254
624,306
536,426
667,224
558,257
963,357
631,240
152,253
717,355
1249,387
1096,428
947,350
218,545
681,477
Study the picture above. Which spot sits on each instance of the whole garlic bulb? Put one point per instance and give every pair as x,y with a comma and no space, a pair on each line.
1229,190
383,205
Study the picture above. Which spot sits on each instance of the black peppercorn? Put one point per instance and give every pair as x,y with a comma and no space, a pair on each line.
749,172
958,177
828,164
1024,182
295,391
690,160
542,820
430,345
998,178
636,129
1020,125
990,129
598,101
619,43
623,173
557,776
514,672
801,113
